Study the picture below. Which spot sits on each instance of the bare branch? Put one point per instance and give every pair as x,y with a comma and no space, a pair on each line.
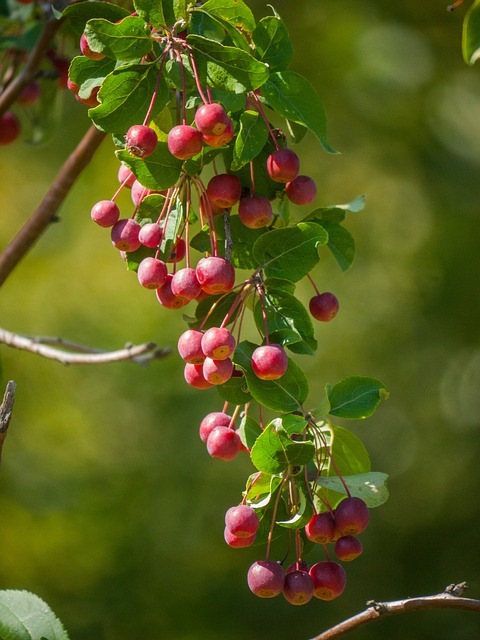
6,409
45,213
449,599
68,352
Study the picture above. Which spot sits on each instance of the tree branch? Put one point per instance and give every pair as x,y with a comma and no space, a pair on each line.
6,409
45,213
449,599
68,352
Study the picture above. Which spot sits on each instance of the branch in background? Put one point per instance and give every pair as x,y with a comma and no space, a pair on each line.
6,409
29,70
449,599
68,352
45,213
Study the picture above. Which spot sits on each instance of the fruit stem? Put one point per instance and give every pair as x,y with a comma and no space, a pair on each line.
197,79
274,517
182,73
252,177
262,113
313,284
157,84
264,313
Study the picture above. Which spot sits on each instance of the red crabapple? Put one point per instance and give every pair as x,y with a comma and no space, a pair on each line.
9,127
352,516
255,212
266,578
71,86
185,284
224,190
269,362
194,376
300,565
141,140
190,346
150,235
184,142
211,119
105,213
298,587
235,541
321,528
324,306
215,274
179,250
302,190
242,521
223,443
283,165
218,343
152,273
329,580
126,176
90,101
347,548
217,371
166,297
125,234
87,51
212,420
222,139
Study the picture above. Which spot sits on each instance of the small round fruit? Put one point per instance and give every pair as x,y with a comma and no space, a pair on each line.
222,139
302,190
105,213
223,443
329,580
352,516
283,165
224,190
324,306
152,273
167,298
242,521
179,250
321,528
184,142
298,587
218,343
30,94
215,274
194,376
126,176
236,542
190,346
73,87
217,371
9,127
212,420
90,101
255,212
141,140
269,362
266,579
150,235
87,51
211,119
347,548
124,234
185,284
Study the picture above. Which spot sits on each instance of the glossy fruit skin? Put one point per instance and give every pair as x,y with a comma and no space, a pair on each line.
255,212
224,190
87,52
194,376
223,443
152,273
167,298
352,516
211,119
124,235
269,362
105,213
185,284
222,139
91,101
9,127
150,235
236,542
190,346
329,580
212,420
218,343
321,528
126,176
217,371
348,548
184,142
298,587
283,165
302,190
324,306
141,140
265,578
215,274
178,252
242,521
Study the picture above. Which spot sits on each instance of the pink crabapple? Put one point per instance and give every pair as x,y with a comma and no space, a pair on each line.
222,139
211,119
242,521
235,541
87,51
302,190
224,190
190,346
141,140
215,274
185,284
193,374
152,273
9,127
352,516
223,443
269,362
298,587
167,298
266,578
105,213
212,420
283,165
321,528
124,234
184,141
324,306
218,343
150,235
255,212
329,580
348,548
217,371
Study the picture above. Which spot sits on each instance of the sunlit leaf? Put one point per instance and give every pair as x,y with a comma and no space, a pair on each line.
356,397
25,616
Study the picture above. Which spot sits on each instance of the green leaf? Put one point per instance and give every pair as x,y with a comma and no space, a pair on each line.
25,616
292,423
126,40
80,13
249,430
370,487
274,451
304,511
290,253
293,97
286,394
264,185
171,229
250,140
89,74
348,451
341,244
228,68
235,391
150,11
174,10
260,489
125,97
272,43
211,311
356,397
158,171
471,34
336,213
236,18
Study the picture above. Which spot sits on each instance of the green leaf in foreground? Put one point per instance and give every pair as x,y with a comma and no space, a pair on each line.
250,140
370,487
471,34
341,244
158,171
124,40
272,43
25,616
274,451
356,397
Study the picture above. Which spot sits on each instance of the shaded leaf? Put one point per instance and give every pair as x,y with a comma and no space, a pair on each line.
89,74
250,140
336,212
235,391
341,244
272,43
471,34
249,430
370,487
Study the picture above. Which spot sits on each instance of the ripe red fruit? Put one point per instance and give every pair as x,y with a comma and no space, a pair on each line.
265,578
255,212
217,371
283,165
352,516
91,101
194,375
222,139
236,542
178,252
211,119
298,566
141,140
124,234
62,66
218,343
184,141
223,443
321,528
105,213
74,88
167,298
269,362
9,127
126,176
329,580
87,52
302,190
324,306
212,420
215,274
30,94
298,587
185,284
347,548
190,346
150,235
152,273
224,190
242,521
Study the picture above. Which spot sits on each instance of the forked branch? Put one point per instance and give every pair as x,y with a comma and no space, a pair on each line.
451,598
6,409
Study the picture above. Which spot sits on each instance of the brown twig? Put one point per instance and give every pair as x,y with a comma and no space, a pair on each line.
449,599
68,352
6,409
45,213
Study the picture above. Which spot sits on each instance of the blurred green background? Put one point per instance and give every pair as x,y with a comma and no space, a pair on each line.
111,509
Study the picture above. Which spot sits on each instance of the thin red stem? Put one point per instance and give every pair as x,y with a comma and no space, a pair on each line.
262,113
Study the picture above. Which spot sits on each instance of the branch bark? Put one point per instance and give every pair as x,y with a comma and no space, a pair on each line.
449,599
6,409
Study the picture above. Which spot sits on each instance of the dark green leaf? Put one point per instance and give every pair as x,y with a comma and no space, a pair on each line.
290,253
272,43
274,451
150,11
336,213
264,185
158,171
250,140
174,10
89,74
80,13
202,25
348,451
293,97
356,397
303,513
471,34
211,311
25,616
341,244
235,391
370,487
235,18
125,40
